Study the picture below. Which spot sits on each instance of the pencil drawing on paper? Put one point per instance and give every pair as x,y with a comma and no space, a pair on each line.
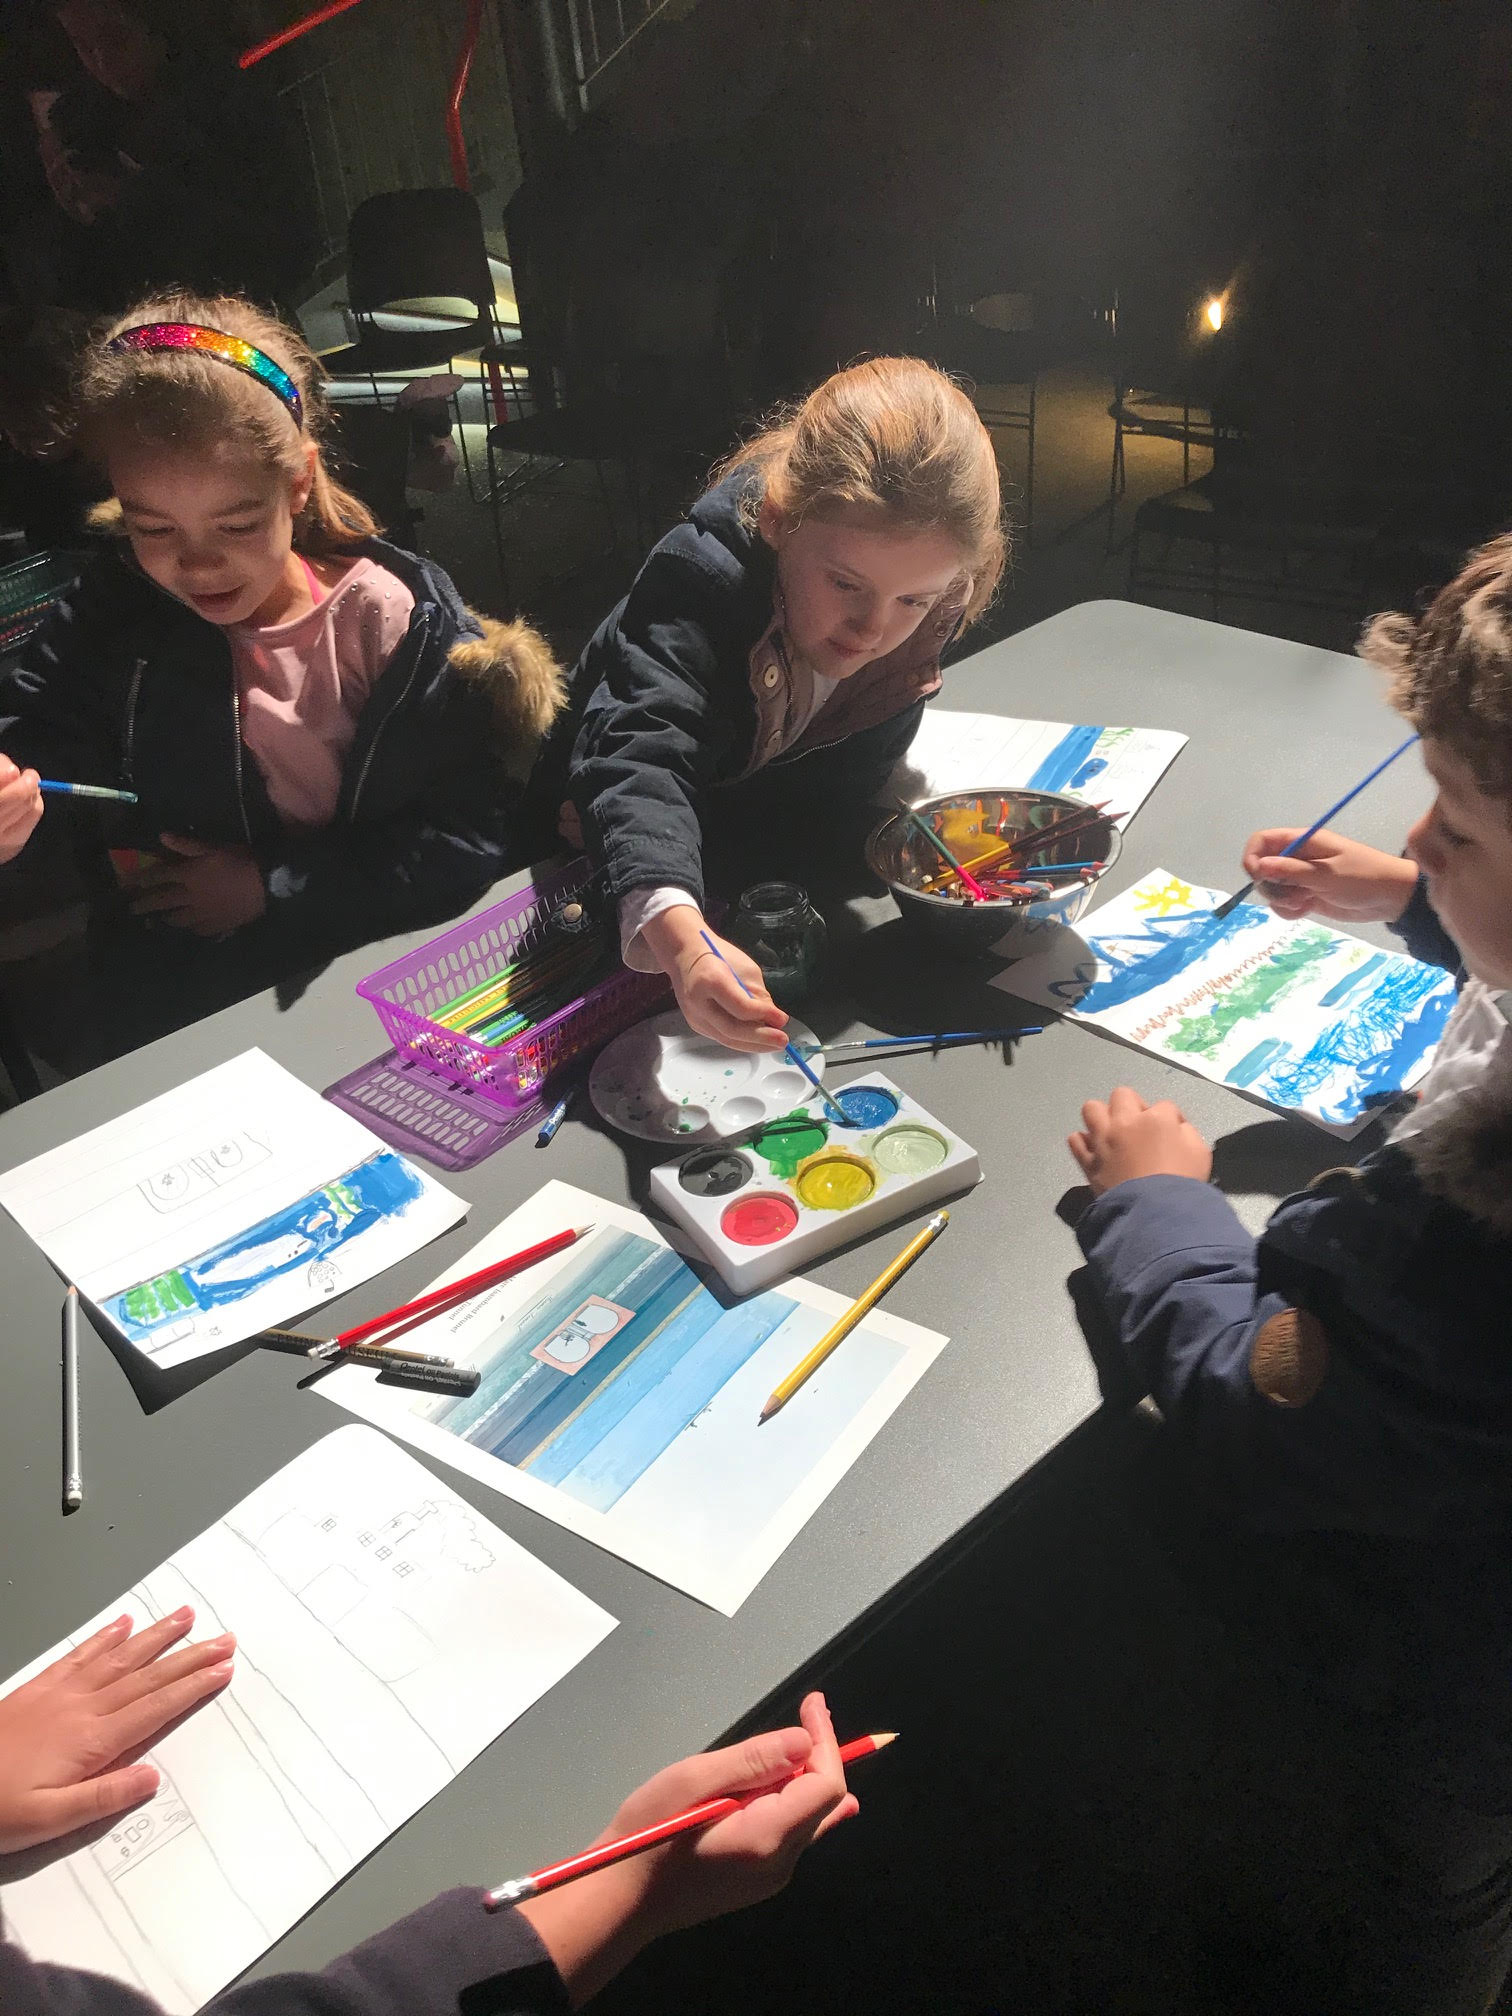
185,1182
385,1634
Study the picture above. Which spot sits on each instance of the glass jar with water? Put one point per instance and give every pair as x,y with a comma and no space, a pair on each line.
782,931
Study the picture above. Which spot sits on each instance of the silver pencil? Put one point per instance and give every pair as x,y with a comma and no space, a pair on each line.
73,1471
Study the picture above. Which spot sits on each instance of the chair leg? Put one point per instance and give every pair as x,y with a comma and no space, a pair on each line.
456,406
608,504
1029,473
496,514
15,1056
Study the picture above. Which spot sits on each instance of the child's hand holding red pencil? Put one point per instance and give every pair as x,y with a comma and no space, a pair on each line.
793,1783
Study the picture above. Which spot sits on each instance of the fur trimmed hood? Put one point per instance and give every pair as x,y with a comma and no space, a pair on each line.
1458,1138
1464,1154
516,667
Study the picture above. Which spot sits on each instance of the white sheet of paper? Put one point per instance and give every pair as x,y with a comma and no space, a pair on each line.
1296,1015
232,1203
621,1399
386,1633
965,752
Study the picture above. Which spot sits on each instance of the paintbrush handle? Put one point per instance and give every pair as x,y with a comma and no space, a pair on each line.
1296,846
790,1049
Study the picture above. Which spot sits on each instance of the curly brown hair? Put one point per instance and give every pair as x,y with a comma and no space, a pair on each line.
895,437
185,399
1451,668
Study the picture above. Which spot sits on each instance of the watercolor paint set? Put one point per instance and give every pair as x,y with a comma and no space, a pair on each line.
765,1204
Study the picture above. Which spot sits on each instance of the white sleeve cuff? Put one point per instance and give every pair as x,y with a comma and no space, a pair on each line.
635,912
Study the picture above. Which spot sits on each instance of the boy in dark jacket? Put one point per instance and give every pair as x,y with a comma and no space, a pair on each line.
1343,1386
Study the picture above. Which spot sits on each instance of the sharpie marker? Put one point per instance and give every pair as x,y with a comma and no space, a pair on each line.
553,1120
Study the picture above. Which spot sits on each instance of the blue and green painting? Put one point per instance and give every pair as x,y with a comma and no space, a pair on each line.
1367,1032
302,1234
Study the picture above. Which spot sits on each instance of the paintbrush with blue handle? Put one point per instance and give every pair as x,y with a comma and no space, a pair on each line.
1295,846
790,1050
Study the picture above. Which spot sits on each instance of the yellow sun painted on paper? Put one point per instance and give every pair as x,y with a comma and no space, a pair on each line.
1172,895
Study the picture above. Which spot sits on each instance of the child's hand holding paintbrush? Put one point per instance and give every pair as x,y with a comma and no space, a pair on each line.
719,988
1328,876
20,807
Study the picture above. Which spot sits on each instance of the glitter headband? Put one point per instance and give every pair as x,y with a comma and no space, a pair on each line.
232,350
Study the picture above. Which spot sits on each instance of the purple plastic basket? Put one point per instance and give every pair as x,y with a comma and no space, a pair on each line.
509,1075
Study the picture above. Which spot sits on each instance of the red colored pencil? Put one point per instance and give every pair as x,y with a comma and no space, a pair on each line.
458,1291
519,1888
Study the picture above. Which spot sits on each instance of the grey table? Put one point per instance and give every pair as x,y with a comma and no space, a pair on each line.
1277,731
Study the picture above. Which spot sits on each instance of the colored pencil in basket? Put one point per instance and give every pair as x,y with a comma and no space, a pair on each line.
521,1888
452,1292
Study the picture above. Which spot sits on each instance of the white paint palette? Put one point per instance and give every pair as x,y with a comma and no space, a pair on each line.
661,1081
759,1209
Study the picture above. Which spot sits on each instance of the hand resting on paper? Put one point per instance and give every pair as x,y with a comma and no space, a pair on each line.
708,991
68,1738
1127,1138
594,1926
203,889
1329,877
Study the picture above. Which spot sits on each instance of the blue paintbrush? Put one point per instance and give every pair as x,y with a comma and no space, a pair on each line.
794,1056
51,786
929,1041
1292,847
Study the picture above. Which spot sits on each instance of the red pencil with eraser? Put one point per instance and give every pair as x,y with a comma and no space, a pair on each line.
409,1313
520,1888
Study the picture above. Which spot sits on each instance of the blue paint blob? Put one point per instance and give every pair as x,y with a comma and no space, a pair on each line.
1249,1067
1066,759
866,1105
1341,990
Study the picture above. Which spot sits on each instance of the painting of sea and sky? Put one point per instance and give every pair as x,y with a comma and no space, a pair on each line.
620,1396
1296,1015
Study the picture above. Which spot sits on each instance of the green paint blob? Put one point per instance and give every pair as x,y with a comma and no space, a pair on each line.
1204,1035
784,1143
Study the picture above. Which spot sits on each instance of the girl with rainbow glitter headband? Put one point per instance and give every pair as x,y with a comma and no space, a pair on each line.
324,744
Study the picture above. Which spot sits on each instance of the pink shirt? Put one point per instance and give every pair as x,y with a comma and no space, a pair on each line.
302,685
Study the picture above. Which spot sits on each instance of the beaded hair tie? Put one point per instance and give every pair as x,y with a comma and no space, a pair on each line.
232,350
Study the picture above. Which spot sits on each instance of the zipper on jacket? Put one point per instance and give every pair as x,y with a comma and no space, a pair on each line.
128,753
236,745
378,733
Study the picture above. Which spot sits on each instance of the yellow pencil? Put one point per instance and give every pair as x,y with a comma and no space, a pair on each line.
837,1334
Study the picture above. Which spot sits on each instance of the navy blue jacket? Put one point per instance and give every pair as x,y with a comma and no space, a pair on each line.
449,1956
1409,1433
662,711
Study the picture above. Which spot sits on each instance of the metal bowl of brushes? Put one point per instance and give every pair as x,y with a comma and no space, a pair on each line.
991,834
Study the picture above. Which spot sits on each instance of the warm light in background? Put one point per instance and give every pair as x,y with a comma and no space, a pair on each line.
1213,312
